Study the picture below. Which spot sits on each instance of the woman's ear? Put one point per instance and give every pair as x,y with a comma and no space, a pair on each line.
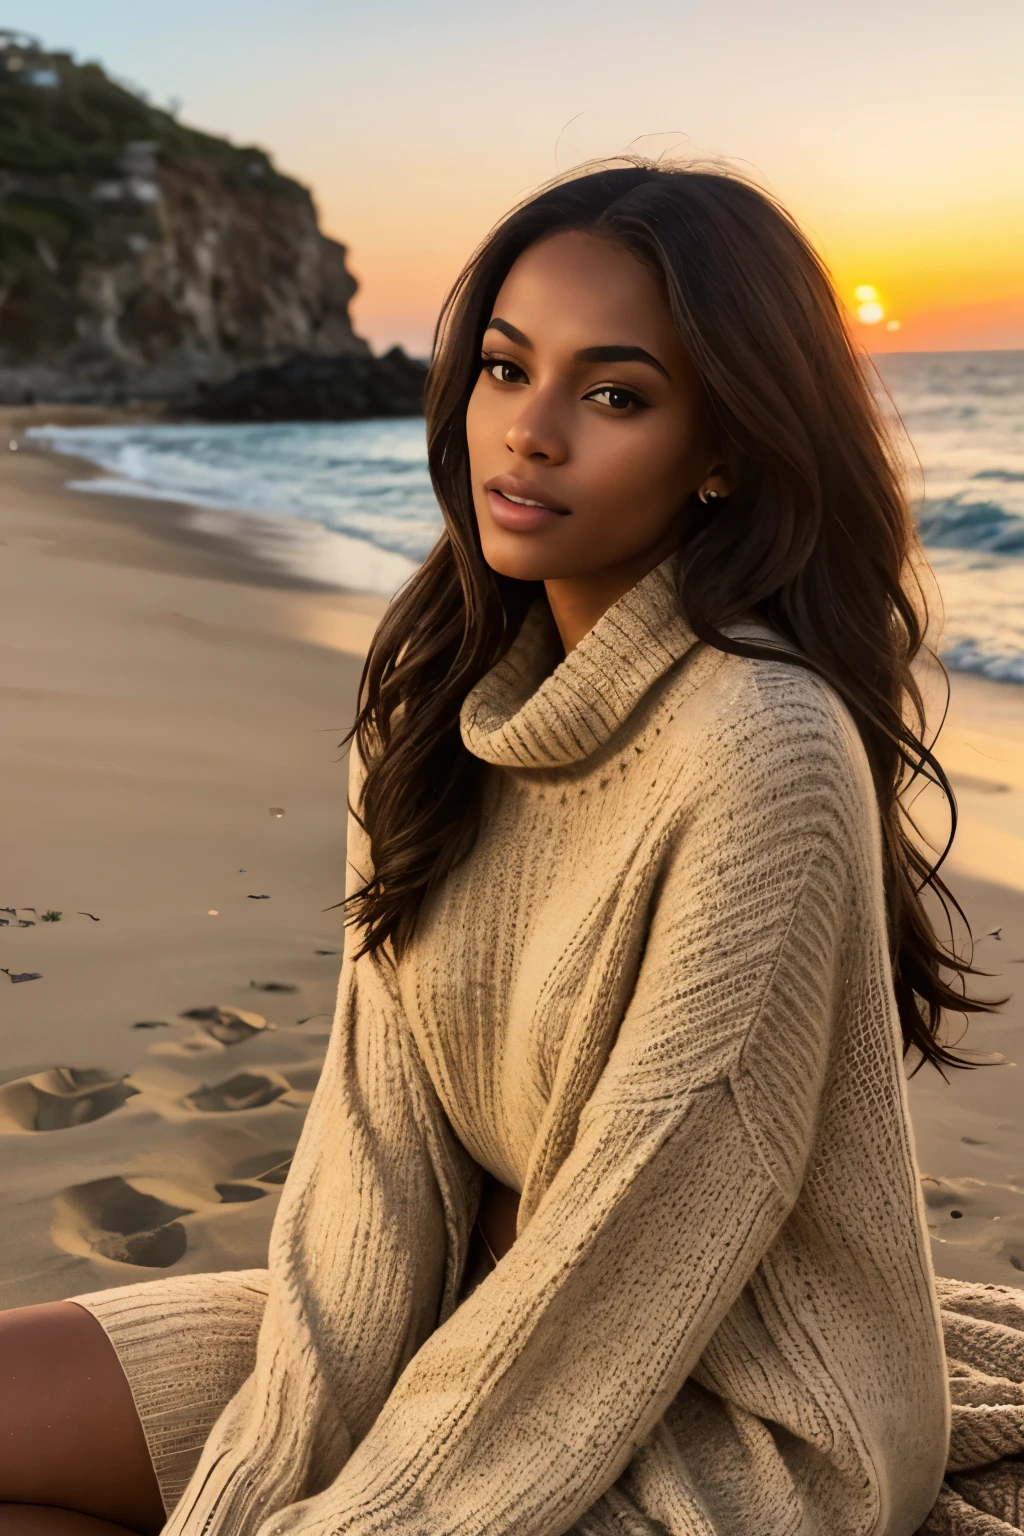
717,483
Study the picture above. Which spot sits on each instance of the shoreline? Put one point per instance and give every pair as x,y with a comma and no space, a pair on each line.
161,691
231,542
304,551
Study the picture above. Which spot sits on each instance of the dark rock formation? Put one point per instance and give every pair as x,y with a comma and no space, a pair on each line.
317,389
139,257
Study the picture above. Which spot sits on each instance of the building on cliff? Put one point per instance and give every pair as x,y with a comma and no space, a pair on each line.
142,258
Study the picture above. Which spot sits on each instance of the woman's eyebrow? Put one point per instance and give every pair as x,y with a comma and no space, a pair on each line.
609,354
620,355
512,332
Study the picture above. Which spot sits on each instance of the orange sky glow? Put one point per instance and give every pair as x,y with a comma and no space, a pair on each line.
949,276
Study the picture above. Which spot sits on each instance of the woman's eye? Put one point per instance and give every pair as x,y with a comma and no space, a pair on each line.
504,372
618,399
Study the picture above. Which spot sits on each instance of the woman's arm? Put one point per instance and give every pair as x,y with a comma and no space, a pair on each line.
522,1410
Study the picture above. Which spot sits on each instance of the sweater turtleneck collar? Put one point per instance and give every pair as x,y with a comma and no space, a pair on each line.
523,714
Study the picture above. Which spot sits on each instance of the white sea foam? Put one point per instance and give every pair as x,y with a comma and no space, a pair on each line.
964,413
364,483
352,502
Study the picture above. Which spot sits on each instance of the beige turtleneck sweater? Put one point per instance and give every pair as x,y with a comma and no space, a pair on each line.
657,1000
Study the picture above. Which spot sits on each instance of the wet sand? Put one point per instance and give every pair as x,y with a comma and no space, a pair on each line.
163,684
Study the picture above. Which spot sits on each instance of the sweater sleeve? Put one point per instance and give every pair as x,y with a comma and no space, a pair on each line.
524,1407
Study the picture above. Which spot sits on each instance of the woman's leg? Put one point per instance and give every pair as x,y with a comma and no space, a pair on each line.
70,1434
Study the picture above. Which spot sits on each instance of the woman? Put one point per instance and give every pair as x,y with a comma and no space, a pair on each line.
638,946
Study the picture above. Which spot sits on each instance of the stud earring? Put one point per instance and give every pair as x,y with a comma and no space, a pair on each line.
706,494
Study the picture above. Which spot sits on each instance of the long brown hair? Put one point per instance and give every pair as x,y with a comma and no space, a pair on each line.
815,537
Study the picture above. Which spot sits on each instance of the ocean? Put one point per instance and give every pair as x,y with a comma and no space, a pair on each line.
363,490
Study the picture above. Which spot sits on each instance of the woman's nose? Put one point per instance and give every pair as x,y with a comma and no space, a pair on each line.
536,432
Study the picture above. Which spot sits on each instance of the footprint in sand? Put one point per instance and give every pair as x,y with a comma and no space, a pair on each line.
246,1090
232,1193
112,1219
217,1029
254,1090
253,1174
61,1098
228,1026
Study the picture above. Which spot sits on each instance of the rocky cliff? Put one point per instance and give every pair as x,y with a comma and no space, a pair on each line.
141,258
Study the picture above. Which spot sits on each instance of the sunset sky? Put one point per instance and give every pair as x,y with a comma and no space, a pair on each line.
894,131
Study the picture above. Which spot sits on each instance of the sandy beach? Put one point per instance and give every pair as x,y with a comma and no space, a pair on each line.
165,692
159,692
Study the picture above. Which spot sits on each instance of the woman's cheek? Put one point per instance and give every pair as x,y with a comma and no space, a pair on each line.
474,426
625,464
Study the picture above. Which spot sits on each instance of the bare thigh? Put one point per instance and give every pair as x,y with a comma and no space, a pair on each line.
70,1434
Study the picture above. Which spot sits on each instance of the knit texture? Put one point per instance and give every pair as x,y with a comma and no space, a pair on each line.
187,1345
657,1000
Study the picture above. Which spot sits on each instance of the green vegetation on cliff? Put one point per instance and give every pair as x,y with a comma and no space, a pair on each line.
58,116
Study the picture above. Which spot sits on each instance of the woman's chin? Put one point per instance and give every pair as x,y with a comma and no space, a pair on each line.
522,557
517,570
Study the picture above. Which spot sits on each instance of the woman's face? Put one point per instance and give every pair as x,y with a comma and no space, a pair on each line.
585,428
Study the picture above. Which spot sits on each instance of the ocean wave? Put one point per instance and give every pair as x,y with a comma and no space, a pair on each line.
980,624
968,656
366,480
953,522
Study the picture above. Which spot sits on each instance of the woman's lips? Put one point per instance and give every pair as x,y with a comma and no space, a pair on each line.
520,518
